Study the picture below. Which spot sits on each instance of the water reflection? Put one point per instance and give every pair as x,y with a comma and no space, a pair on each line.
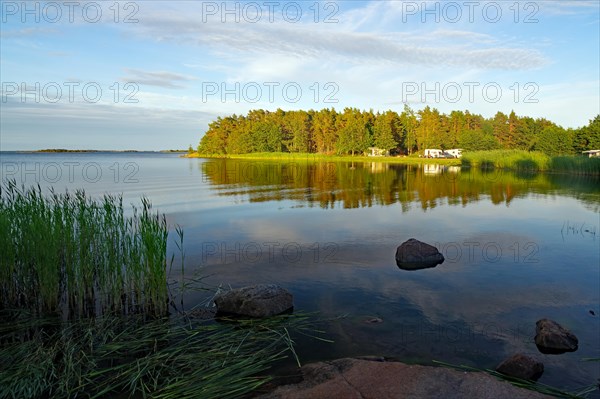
365,184
415,266
517,248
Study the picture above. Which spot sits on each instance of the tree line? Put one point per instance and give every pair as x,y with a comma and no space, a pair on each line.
353,131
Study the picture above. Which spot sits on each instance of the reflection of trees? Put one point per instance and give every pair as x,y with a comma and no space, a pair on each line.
364,184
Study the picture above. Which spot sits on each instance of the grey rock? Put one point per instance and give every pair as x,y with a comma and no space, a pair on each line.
521,366
414,254
261,300
552,338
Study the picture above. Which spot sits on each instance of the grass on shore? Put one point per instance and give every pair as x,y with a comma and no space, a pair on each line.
288,156
531,161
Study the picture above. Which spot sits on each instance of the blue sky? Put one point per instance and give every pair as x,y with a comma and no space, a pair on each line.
151,75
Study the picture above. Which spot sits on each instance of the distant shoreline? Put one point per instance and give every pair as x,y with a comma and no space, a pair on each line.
64,150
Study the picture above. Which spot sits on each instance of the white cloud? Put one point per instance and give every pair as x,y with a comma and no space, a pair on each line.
343,44
160,78
27,32
568,7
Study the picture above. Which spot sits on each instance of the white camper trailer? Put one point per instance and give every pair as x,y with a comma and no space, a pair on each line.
591,153
433,153
455,152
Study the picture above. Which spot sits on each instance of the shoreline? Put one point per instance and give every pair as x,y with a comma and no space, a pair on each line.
403,160
375,377
66,151
523,162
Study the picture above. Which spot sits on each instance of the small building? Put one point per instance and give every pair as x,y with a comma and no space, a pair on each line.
377,152
591,153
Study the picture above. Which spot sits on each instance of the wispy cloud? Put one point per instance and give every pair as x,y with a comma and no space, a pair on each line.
27,32
568,7
164,79
314,41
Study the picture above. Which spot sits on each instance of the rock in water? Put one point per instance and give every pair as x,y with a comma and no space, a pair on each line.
521,366
261,300
552,338
414,254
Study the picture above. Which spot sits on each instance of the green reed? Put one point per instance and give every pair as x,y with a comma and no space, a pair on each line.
77,256
576,164
84,297
531,161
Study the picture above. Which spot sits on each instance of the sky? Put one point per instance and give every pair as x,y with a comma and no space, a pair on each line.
151,75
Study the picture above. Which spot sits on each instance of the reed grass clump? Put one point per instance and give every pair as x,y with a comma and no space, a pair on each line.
576,164
507,159
77,256
531,161
84,308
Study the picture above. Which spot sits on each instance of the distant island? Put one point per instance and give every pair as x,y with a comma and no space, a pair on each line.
64,150
355,132
59,150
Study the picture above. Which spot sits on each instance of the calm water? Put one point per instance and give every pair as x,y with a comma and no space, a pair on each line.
517,248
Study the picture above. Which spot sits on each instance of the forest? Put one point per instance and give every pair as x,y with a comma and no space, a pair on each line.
352,132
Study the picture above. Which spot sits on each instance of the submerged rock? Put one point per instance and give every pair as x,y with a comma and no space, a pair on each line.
521,366
261,300
414,254
552,338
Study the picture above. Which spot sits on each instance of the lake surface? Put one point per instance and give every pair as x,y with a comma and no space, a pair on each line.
518,248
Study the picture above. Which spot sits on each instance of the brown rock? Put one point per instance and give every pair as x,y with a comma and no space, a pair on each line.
552,338
521,366
414,254
364,379
261,300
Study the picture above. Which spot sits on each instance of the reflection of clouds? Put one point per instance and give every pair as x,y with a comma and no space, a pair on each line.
460,291
466,312
267,230
469,309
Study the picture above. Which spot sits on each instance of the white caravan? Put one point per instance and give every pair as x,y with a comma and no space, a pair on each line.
433,153
455,152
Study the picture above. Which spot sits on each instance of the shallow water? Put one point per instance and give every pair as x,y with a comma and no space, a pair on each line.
518,248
